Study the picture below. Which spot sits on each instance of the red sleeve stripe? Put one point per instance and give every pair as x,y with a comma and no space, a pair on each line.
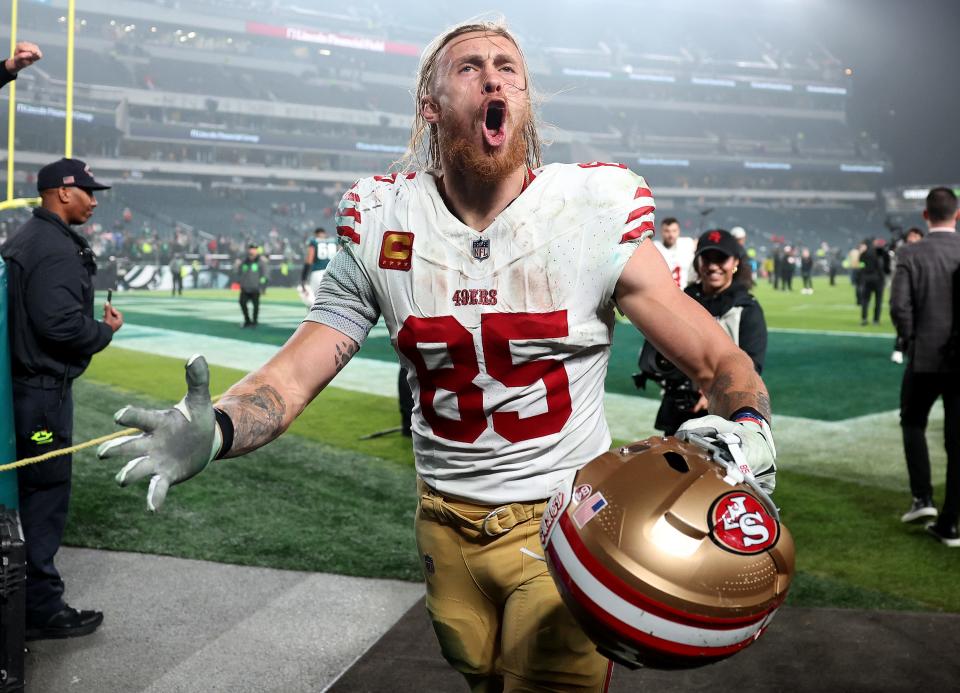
643,192
637,232
352,196
348,232
352,212
640,212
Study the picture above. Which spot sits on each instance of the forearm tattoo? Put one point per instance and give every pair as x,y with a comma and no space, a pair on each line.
257,414
345,351
724,400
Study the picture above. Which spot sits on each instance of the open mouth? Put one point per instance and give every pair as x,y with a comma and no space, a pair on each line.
494,118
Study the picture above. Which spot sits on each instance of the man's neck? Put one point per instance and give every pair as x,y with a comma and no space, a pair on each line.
478,203
942,226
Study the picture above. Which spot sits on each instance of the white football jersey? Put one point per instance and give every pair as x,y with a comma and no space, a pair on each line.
505,332
679,258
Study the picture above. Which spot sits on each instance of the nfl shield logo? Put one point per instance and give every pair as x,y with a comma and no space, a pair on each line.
481,248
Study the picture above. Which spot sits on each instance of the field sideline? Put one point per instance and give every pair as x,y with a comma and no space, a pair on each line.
321,499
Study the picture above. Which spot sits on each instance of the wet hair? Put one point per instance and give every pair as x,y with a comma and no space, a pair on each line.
941,205
424,137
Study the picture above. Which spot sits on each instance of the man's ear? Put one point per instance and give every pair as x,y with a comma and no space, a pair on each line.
430,110
926,217
64,195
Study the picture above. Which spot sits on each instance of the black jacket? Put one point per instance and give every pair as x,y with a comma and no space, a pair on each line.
5,75
740,316
874,264
50,296
921,300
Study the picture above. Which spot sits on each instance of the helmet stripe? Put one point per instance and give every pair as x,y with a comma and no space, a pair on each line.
616,585
640,622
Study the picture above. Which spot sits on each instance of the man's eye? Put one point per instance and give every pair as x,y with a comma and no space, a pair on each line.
466,68
508,68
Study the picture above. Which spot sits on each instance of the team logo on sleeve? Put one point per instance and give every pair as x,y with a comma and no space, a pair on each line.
396,250
741,524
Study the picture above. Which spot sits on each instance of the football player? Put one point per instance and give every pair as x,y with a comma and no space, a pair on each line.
497,279
320,249
677,251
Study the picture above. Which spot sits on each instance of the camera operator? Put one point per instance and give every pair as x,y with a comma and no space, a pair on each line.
723,289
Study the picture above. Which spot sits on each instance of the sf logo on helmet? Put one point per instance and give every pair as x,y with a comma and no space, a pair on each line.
742,525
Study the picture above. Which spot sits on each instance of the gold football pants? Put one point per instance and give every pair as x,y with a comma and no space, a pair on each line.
496,611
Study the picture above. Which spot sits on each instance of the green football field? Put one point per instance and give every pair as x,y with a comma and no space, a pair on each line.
321,498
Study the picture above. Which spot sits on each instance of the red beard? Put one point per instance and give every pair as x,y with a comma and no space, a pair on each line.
463,155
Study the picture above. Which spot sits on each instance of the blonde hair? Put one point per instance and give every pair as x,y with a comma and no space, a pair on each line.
424,137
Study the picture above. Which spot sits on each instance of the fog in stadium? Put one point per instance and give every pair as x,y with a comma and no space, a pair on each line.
815,126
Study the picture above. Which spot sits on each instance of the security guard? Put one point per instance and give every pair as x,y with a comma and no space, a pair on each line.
53,335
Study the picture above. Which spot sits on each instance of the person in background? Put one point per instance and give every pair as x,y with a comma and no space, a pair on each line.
320,250
788,267
53,336
176,275
806,271
924,308
724,290
677,251
24,55
251,279
913,235
874,269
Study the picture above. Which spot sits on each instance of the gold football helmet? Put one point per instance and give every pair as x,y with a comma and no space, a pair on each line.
666,555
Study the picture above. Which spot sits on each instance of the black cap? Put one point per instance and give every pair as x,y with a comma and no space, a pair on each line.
718,239
67,173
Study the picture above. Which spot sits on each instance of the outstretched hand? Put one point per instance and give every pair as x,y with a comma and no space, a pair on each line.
24,55
175,445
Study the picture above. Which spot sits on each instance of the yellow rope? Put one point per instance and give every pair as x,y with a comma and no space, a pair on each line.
79,446
67,451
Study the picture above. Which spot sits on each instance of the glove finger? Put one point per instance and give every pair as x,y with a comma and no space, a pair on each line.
198,381
126,446
135,470
144,419
157,492
706,432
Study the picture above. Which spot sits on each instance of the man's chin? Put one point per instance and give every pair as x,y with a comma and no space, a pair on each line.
489,164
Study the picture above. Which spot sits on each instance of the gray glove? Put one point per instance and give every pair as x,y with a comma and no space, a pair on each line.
747,445
176,444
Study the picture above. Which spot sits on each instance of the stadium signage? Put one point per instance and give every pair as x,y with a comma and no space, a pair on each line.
221,136
47,112
360,43
861,168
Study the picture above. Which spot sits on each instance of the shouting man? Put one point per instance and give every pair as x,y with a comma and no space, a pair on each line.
497,279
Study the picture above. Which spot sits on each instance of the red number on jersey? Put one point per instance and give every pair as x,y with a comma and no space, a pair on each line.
457,379
496,330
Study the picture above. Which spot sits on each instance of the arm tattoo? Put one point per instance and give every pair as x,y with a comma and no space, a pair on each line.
724,400
345,351
257,416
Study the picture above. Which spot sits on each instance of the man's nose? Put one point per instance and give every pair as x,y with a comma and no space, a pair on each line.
492,83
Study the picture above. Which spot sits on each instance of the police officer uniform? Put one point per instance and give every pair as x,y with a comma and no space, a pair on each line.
53,335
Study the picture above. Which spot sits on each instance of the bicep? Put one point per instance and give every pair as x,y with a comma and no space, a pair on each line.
680,328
